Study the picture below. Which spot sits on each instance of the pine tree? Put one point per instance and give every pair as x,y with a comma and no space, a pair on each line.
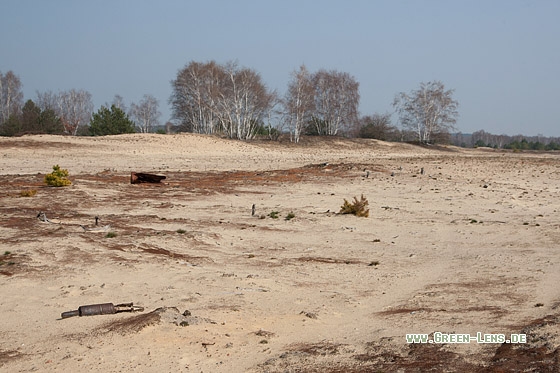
112,121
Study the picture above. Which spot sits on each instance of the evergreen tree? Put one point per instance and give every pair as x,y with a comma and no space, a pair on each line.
50,123
11,127
35,120
112,121
30,117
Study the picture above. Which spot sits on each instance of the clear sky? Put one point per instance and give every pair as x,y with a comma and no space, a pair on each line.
502,57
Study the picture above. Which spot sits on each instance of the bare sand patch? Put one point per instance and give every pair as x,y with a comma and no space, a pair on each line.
471,245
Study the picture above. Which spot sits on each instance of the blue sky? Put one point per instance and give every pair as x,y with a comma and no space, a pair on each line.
502,57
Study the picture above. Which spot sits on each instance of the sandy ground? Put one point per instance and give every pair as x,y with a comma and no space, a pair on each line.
470,246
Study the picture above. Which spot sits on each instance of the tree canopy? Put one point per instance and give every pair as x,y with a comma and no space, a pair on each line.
428,111
112,121
322,103
210,98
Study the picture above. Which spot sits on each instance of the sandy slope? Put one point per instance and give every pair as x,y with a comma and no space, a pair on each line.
472,245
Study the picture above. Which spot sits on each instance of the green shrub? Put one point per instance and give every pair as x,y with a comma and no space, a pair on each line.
290,216
57,178
111,235
358,207
274,214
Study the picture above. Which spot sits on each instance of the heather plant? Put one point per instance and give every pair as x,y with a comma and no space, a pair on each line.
28,193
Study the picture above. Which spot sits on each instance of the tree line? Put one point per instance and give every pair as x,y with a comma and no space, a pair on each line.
482,138
233,101
208,98
70,112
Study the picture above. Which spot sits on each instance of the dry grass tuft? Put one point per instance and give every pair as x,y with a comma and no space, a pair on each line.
358,207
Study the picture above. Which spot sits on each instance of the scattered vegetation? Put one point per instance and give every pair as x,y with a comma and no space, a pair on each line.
111,235
28,193
274,214
57,178
181,231
374,263
358,207
7,252
290,216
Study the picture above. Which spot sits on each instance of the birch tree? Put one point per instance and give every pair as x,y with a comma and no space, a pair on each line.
145,114
195,94
428,110
336,100
73,107
119,103
244,102
76,108
209,97
11,96
298,102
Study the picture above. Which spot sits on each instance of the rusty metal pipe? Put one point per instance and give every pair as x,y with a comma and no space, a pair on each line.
101,309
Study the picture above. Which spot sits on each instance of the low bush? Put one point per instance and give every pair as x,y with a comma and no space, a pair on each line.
290,216
57,178
28,193
358,207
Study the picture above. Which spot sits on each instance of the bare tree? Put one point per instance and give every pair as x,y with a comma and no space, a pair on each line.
145,113
336,101
428,110
76,108
11,95
195,92
243,102
119,103
298,102
48,101
73,107
208,97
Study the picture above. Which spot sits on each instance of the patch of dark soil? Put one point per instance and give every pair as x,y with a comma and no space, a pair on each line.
397,311
136,323
170,254
8,356
132,324
11,264
541,353
13,185
317,259
210,182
